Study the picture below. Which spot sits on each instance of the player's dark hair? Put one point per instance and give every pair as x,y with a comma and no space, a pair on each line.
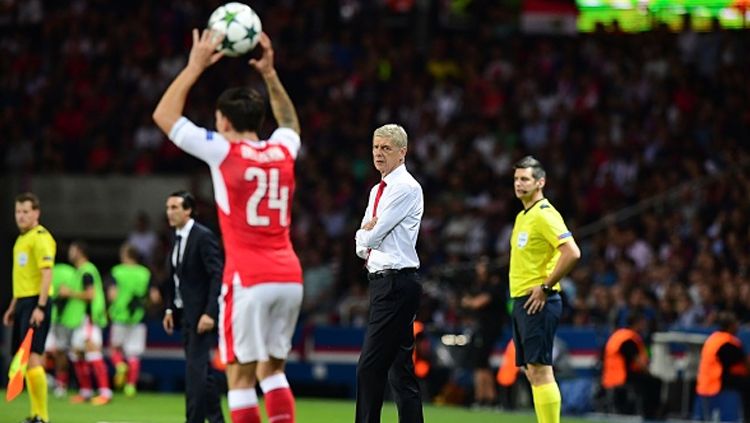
634,317
188,201
131,252
726,321
30,197
244,107
537,171
82,246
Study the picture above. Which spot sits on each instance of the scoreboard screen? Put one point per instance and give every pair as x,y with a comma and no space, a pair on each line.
642,15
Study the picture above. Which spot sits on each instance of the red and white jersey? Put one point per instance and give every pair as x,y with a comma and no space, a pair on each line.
253,186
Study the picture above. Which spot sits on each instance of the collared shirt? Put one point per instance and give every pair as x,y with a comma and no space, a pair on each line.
33,251
537,234
391,244
183,233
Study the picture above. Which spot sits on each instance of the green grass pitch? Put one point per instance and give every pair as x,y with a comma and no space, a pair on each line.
169,408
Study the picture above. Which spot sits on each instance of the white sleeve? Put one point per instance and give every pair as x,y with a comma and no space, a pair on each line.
288,138
397,203
202,143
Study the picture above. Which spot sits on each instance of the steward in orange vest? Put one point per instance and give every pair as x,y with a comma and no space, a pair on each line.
507,374
625,362
624,352
421,351
723,363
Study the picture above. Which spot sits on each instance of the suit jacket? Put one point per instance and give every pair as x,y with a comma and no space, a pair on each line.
200,273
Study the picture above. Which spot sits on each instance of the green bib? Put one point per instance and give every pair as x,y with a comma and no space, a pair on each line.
131,281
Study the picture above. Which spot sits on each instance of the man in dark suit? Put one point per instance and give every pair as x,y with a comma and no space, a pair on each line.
192,298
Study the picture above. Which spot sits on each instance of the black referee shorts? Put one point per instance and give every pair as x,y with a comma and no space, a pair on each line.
534,334
24,307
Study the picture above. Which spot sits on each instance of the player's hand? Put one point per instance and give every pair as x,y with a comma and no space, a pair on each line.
536,301
8,317
205,324
264,65
203,53
371,224
168,323
64,292
37,317
154,295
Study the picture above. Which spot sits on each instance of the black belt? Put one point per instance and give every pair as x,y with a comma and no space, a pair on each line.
389,272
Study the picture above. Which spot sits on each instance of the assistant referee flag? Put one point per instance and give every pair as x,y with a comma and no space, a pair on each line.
17,369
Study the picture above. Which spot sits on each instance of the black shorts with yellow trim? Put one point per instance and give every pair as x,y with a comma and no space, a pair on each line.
24,307
534,334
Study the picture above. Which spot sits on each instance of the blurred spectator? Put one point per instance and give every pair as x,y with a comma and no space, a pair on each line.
143,238
486,303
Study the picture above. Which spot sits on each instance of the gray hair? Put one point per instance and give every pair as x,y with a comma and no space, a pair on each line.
537,171
393,132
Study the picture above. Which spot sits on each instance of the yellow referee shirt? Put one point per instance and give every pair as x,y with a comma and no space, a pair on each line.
33,251
536,235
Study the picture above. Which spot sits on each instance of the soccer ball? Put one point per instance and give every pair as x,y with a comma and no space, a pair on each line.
240,26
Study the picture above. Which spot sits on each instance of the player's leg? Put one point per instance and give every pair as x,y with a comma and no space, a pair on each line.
80,365
134,347
241,346
537,332
242,398
117,336
62,337
95,358
279,327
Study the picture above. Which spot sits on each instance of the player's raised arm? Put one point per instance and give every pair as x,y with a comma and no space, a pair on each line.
202,55
281,104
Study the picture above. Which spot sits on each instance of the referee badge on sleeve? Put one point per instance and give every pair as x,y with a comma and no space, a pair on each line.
523,239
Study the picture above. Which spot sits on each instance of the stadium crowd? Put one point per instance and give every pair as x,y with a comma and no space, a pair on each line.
616,119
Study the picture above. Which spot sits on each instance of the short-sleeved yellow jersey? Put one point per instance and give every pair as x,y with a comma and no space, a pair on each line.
34,250
537,233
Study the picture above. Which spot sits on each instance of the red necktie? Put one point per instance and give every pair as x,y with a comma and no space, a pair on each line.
381,187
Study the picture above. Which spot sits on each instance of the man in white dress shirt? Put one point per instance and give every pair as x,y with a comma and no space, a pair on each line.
387,241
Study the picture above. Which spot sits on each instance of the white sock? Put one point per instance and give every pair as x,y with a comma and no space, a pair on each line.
276,381
242,398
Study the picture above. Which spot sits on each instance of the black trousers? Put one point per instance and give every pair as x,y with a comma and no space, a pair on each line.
202,400
648,388
742,385
388,347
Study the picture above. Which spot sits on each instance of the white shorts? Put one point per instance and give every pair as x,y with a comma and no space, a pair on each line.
257,322
58,338
131,338
87,332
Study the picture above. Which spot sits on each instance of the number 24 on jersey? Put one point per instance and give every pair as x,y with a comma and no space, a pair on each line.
267,186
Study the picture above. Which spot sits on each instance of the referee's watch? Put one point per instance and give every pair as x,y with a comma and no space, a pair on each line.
41,307
548,290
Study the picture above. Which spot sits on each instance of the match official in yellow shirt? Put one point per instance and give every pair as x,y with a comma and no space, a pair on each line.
542,251
33,258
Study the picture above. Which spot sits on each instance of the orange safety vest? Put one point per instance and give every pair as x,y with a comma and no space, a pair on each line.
421,364
508,372
614,370
710,368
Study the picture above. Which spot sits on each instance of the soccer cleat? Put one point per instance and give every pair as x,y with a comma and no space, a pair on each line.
35,419
78,399
101,400
121,374
129,390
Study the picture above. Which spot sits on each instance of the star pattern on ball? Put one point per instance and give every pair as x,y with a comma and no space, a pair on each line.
229,17
251,32
226,44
